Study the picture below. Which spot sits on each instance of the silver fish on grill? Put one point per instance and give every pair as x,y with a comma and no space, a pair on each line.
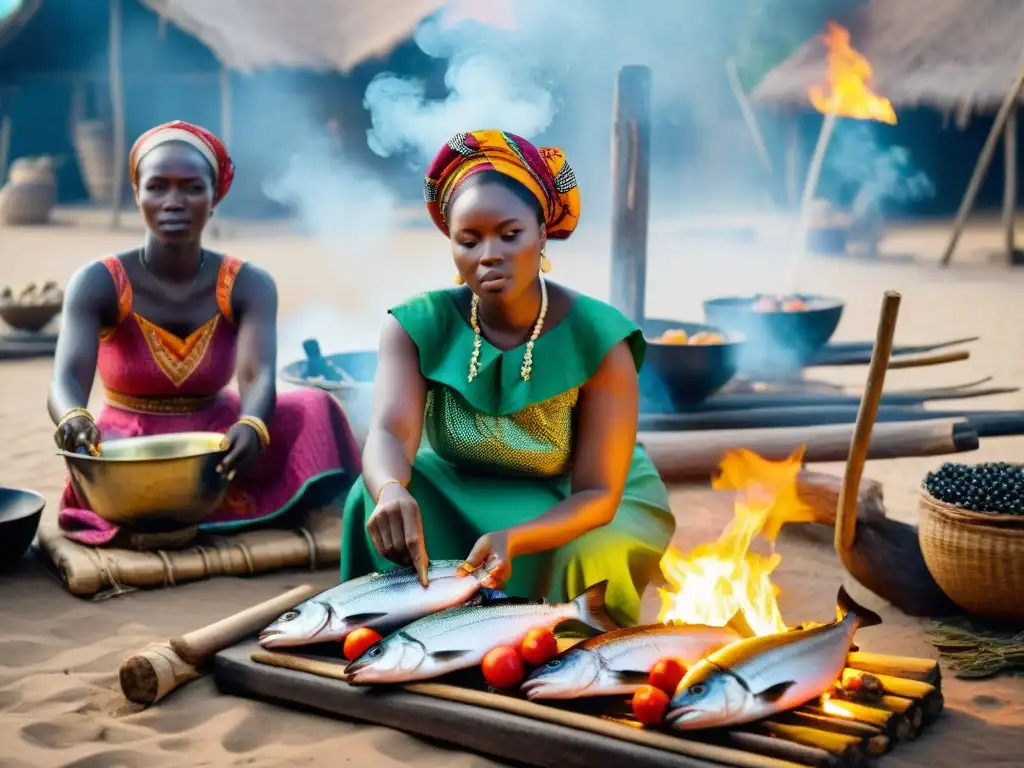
459,638
619,662
755,678
382,601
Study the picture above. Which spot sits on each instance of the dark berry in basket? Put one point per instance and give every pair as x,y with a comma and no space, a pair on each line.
994,488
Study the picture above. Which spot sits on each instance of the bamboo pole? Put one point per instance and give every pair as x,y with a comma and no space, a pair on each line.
1010,184
117,112
984,161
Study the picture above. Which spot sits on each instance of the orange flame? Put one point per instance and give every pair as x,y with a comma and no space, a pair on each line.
491,13
848,76
717,579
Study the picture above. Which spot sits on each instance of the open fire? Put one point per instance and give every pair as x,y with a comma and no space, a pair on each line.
718,578
849,73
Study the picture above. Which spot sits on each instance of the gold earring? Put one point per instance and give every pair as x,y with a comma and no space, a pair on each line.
458,279
545,262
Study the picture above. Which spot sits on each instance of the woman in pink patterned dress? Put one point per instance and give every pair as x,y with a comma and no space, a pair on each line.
167,325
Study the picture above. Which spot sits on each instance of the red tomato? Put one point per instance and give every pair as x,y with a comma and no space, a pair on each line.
539,647
666,674
503,667
357,641
649,704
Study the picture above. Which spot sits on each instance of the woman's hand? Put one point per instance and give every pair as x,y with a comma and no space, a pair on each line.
244,446
78,435
396,529
491,552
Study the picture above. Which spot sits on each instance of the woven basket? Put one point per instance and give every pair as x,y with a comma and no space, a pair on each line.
976,558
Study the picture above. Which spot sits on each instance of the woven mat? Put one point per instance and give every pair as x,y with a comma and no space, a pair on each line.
313,542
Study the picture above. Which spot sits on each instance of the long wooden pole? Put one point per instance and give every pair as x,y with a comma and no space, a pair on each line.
1010,184
846,512
631,143
984,161
748,114
117,112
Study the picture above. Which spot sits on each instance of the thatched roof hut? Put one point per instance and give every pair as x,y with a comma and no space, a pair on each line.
319,35
951,55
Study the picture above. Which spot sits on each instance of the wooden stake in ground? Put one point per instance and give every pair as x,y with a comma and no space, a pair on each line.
1010,184
117,113
631,144
885,556
984,160
828,126
153,673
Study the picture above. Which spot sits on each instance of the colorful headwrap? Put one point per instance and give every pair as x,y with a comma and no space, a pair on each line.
543,171
206,143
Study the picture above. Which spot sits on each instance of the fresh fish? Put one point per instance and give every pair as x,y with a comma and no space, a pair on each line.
759,676
619,662
383,601
459,638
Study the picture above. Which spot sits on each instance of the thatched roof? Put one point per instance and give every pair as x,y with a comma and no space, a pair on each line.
945,54
250,35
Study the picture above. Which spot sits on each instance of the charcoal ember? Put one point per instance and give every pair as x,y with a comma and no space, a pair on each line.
995,488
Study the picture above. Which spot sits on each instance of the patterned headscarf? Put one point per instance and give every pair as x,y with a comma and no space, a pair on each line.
206,143
543,171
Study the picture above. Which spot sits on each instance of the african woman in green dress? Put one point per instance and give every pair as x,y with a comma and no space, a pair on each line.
526,393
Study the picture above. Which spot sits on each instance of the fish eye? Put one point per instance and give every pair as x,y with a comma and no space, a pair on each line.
698,689
290,616
554,664
374,652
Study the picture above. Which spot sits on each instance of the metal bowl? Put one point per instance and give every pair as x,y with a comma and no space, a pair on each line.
29,317
20,512
677,375
355,394
779,342
152,484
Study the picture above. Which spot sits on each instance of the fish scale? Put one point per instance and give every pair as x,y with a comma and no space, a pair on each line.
465,619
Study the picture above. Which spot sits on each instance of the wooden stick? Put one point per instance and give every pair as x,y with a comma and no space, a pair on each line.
921,361
680,745
925,670
810,187
1010,184
874,741
631,131
846,516
117,112
684,455
931,698
911,711
771,746
846,748
156,671
748,114
894,725
984,160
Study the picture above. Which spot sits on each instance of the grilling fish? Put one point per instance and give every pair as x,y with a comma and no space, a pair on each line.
619,662
385,600
459,638
757,677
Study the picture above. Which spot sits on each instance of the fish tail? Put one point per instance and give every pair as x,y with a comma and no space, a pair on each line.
592,610
846,605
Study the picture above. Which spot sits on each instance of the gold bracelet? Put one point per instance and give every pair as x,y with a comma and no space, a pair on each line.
259,427
74,413
380,491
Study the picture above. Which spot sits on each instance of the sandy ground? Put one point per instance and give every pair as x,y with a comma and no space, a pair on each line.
59,705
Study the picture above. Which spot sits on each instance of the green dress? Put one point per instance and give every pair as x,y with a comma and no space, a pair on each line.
498,451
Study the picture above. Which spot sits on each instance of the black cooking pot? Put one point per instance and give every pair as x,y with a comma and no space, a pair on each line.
677,375
20,512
